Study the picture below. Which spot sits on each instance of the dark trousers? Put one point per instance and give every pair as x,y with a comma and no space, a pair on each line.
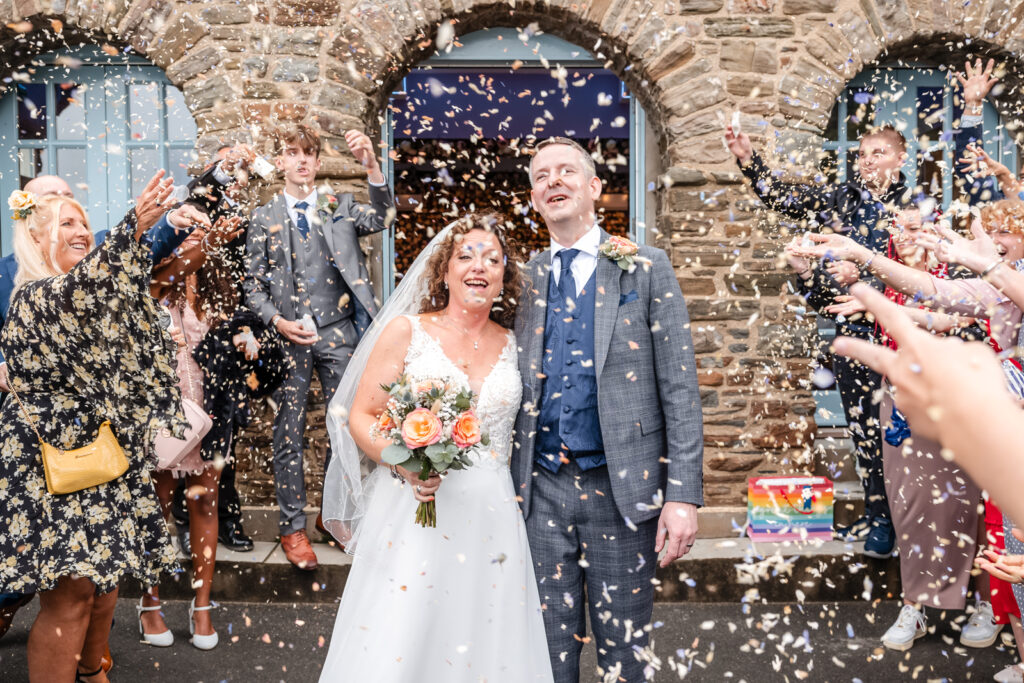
329,357
857,386
586,556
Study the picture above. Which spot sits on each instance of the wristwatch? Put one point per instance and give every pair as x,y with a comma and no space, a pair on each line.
273,321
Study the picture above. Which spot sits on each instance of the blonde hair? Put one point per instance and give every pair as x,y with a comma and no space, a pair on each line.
33,263
1005,214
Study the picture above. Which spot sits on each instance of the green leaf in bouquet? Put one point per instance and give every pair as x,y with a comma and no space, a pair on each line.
412,464
395,454
436,453
484,439
463,401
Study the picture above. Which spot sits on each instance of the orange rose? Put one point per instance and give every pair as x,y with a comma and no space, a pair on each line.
421,428
466,431
384,422
427,385
622,246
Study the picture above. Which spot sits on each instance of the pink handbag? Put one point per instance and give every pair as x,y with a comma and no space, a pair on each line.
171,451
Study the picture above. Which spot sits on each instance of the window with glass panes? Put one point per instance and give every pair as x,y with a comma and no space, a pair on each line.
923,105
105,124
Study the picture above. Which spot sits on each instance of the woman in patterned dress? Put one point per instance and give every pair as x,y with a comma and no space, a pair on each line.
84,345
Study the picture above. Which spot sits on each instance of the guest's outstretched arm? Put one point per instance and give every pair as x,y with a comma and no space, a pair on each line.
952,392
896,275
980,255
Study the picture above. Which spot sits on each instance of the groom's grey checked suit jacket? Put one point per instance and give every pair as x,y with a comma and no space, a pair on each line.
270,287
648,398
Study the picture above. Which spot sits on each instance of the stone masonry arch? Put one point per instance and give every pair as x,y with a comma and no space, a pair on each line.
780,63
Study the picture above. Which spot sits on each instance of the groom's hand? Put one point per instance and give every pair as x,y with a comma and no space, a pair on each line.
677,529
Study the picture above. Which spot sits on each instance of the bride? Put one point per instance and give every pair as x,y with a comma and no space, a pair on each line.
457,602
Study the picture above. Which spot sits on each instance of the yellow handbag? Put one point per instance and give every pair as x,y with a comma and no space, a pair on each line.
68,471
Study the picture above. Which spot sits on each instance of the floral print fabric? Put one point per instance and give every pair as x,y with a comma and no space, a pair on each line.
83,348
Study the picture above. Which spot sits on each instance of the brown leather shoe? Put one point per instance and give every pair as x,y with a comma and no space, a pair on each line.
7,613
298,550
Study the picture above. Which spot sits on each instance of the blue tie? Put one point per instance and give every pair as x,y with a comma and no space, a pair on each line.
302,223
566,281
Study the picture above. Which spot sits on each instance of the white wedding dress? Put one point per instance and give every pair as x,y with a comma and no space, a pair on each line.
457,602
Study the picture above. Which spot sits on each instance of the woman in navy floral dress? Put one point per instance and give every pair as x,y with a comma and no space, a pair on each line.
83,345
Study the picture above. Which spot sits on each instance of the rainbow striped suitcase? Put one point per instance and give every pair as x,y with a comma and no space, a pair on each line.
789,508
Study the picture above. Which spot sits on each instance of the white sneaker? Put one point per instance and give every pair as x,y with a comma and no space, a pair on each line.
910,625
1011,674
982,629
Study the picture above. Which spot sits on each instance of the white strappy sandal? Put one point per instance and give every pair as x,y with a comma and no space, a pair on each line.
201,642
165,639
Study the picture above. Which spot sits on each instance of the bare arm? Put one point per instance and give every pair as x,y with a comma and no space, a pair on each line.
385,365
1008,281
896,275
980,255
952,392
933,321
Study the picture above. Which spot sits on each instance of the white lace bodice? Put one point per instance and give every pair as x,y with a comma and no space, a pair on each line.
499,398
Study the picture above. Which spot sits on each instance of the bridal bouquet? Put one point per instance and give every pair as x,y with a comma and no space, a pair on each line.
432,428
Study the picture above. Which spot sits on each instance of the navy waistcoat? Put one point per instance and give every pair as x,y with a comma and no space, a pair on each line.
569,423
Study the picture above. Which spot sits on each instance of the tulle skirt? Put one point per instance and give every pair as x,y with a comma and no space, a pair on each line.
454,603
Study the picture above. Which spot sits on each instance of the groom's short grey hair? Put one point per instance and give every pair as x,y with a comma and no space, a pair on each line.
585,158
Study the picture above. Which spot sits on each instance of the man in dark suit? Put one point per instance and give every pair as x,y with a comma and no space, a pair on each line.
308,281
609,443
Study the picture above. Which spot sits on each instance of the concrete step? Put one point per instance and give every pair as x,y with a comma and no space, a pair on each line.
849,502
716,570
261,521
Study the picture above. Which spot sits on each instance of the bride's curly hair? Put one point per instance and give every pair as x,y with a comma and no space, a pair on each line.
503,311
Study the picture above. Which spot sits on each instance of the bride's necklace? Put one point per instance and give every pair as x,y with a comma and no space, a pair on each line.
463,330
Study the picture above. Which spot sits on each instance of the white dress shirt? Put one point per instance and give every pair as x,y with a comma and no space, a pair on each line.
293,213
585,263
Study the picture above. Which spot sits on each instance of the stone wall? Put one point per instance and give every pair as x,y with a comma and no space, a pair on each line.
780,63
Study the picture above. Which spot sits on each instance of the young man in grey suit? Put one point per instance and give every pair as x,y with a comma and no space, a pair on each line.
608,457
308,280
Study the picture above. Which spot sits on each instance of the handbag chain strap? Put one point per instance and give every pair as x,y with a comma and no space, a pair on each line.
32,423
188,369
24,411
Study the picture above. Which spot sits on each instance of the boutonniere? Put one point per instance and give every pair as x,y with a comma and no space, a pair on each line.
21,204
621,251
326,201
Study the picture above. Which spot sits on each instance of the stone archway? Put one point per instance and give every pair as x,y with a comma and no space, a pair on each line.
780,63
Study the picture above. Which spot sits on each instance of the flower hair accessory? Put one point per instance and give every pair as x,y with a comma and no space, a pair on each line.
21,204
620,250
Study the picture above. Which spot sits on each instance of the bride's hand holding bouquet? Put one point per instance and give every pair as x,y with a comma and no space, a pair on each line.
433,429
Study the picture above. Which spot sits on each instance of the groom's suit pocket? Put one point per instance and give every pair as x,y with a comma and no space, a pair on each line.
650,424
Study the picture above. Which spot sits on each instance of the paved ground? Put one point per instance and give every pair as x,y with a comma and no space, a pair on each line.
706,642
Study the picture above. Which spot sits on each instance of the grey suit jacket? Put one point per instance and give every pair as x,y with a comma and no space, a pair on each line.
647,394
270,287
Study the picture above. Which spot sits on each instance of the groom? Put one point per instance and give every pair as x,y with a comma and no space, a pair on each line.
608,456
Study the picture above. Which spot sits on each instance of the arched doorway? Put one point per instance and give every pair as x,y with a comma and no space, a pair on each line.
105,123
458,129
